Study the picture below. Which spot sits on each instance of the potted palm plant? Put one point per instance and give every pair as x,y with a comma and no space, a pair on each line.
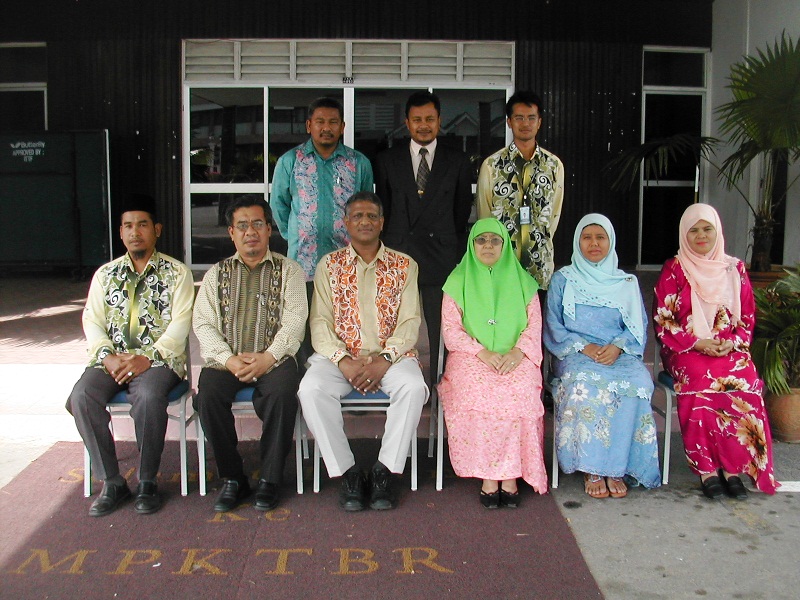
762,122
776,352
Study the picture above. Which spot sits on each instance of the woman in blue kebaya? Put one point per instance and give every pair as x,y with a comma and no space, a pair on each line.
595,328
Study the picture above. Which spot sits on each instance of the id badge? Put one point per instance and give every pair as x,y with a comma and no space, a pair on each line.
524,215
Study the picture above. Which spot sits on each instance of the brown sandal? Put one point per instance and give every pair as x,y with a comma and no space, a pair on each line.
590,484
620,492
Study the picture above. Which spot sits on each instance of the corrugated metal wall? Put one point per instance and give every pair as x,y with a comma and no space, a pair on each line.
116,65
592,105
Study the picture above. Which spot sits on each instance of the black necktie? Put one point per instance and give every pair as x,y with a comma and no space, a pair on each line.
422,171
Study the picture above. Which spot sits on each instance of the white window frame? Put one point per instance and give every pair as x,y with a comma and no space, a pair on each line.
267,83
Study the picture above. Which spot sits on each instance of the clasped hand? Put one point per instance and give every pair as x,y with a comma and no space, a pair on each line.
123,367
714,347
502,363
604,355
247,367
365,372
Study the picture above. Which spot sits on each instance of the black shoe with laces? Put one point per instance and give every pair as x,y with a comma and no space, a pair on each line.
380,497
352,495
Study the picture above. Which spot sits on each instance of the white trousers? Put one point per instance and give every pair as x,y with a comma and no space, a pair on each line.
322,387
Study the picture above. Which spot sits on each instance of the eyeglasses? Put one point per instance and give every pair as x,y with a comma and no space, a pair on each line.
245,225
495,241
523,118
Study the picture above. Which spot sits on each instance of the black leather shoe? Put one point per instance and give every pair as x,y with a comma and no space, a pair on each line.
712,488
380,496
147,499
352,495
109,499
232,493
735,488
490,500
267,495
508,499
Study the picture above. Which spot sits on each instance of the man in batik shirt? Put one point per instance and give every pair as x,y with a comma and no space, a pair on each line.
310,186
136,320
365,320
249,318
523,186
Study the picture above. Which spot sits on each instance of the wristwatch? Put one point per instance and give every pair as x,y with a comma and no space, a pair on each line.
386,356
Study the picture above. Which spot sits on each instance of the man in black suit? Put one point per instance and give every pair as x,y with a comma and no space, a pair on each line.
426,189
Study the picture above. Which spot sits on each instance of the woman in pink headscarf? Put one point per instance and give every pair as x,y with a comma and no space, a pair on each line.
704,318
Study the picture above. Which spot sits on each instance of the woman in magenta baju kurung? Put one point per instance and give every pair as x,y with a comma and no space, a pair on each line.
704,317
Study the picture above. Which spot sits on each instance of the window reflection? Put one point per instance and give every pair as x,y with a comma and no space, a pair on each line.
287,118
227,135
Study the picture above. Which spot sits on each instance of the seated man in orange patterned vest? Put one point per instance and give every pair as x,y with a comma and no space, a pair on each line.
365,318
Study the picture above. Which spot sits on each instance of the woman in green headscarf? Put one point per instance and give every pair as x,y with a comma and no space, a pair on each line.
491,388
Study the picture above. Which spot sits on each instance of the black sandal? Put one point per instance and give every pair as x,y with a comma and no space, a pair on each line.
735,488
509,499
712,487
490,500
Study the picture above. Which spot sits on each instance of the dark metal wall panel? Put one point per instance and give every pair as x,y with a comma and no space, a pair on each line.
132,88
675,22
116,65
592,109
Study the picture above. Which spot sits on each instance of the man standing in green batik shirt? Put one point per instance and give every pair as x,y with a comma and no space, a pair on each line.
523,186
137,319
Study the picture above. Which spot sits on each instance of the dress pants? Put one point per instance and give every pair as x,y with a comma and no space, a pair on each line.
275,403
322,387
432,309
147,394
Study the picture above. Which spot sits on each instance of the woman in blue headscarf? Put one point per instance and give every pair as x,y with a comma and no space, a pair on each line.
595,327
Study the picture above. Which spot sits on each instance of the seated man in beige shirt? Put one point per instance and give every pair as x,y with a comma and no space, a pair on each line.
250,317
365,319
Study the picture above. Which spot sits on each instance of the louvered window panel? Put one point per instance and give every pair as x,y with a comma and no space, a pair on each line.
321,61
210,60
266,60
377,60
488,62
362,62
437,61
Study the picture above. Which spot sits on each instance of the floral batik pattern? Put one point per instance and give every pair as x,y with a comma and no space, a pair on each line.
138,307
391,273
533,243
720,404
315,223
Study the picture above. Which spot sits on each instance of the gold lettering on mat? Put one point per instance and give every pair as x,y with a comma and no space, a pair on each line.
206,561
409,560
346,558
45,566
193,562
283,558
148,557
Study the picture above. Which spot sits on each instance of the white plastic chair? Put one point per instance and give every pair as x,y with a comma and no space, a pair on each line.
119,407
664,381
243,406
371,402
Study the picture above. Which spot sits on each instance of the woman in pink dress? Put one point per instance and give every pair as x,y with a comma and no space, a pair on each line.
491,388
704,316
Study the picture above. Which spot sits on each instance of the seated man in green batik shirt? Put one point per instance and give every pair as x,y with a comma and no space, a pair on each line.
136,321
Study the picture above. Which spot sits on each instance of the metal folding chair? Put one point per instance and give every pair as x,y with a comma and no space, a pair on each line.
243,406
119,406
371,402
